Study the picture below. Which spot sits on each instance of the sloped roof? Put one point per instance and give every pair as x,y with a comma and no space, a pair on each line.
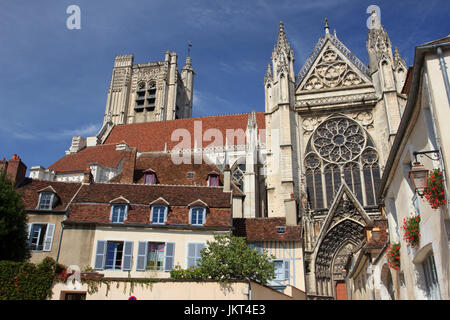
29,189
145,194
105,155
258,229
156,136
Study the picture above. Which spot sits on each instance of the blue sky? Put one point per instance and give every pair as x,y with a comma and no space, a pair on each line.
53,81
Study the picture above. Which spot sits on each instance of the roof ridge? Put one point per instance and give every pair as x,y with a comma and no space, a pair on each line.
157,185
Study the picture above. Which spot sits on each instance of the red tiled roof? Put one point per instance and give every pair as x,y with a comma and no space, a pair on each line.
156,136
105,155
30,196
144,194
258,229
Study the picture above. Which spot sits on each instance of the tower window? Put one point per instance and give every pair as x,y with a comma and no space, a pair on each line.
145,96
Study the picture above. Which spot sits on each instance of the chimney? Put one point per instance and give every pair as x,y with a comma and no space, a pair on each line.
227,178
15,169
88,177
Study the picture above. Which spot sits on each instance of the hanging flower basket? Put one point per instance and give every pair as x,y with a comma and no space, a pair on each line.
411,228
434,192
393,256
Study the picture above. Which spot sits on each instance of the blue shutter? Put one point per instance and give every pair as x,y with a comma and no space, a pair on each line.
170,253
286,270
100,255
191,255
142,256
127,255
48,239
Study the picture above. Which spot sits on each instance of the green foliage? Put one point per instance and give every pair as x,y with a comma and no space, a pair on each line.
13,230
25,280
226,258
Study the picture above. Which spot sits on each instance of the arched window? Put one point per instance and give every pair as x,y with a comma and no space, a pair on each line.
340,150
145,96
238,173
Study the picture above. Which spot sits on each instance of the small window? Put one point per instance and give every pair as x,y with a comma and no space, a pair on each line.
118,213
74,296
281,229
150,178
45,201
213,180
281,270
114,253
197,215
431,280
194,253
159,214
190,175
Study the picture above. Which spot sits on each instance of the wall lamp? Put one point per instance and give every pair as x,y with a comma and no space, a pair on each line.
418,173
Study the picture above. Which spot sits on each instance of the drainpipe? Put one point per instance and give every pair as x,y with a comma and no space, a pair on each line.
60,239
444,72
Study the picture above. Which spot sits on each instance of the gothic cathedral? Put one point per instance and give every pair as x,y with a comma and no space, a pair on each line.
329,131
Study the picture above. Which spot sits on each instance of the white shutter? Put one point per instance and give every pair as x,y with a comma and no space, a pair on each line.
127,255
29,232
170,254
100,255
48,240
142,255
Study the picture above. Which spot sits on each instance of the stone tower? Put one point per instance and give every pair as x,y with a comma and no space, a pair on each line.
281,146
153,91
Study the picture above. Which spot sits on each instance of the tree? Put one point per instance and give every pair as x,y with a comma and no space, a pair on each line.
229,257
13,230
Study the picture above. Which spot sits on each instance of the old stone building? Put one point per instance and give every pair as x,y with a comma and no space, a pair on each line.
312,160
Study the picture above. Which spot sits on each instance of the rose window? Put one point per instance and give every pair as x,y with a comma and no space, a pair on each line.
339,140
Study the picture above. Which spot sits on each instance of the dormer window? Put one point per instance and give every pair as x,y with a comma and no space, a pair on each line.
197,215
159,214
45,201
149,178
213,180
118,213
47,198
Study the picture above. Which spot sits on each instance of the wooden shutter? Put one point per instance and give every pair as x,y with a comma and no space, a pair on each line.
127,255
100,255
286,270
170,255
142,256
29,232
48,240
191,255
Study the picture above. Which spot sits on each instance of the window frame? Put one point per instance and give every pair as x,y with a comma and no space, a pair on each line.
166,209
46,238
149,174
51,200
115,255
214,176
191,209
125,216
145,255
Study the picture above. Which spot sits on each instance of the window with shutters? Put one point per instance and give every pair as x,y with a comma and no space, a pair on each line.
40,236
118,213
159,214
213,180
114,255
156,256
194,253
197,215
282,274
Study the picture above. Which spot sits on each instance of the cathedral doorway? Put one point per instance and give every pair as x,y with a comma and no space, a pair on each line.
341,290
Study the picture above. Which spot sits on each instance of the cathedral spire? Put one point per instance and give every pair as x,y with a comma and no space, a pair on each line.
282,41
327,28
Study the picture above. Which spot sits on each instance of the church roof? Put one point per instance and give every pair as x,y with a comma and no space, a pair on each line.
156,136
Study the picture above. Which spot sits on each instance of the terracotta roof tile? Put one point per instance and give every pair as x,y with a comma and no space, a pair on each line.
30,196
105,155
259,229
156,136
